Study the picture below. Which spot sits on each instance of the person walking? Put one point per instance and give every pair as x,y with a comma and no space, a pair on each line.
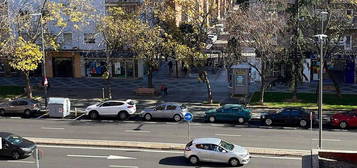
162,88
165,90
170,66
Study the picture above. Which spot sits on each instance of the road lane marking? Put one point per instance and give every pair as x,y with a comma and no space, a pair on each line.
110,157
171,123
42,116
137,131
113,166
217,125
228,135
129,121
79,117
20,161
276,157
52,128
333,140
15,117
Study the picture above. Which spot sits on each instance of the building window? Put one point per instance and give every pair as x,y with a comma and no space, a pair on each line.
67,38
89,38
349,13
348,42
2,67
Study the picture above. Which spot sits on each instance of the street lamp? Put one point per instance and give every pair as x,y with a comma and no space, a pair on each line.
320,101
45,82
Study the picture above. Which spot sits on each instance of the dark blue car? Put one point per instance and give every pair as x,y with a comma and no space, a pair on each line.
288,116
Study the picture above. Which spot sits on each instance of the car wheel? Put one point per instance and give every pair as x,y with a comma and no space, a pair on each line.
93,115
234,162
303,123
2,112
212,119
27,113
268,121
123,115
147,117
15,155
194,160
241,120
343,125
177,118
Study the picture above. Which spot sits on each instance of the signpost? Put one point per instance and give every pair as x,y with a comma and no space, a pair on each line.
188,117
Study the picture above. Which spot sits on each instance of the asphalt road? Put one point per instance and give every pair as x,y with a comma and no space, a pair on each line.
84,157
172,132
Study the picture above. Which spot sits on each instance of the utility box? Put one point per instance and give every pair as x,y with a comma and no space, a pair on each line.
240,80
59,107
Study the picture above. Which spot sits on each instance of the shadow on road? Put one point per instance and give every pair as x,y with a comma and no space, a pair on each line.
182,161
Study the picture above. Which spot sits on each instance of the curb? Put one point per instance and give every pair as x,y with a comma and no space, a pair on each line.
156,145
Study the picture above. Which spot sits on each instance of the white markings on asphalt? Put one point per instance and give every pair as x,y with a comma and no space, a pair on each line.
129,121
149,122
42,116
137,131
15,117
332,140
110,149
79,117
52,128
113,166
195,124
217,125
110,157
276,157
228,135
172,123
21,161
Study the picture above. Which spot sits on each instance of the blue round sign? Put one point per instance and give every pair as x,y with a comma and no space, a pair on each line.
188,116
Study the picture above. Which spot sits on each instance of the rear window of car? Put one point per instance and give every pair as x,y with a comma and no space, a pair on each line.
171,107
189,144
183,106
116,103
131,102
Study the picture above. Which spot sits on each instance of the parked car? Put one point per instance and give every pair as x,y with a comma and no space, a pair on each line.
215,150
174,111
289,116
24,106
229,112
345,119
15,146
121,109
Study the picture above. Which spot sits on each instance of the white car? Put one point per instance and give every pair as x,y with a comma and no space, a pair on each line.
216,150
121,109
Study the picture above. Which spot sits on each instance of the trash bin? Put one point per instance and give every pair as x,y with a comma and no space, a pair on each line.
59,107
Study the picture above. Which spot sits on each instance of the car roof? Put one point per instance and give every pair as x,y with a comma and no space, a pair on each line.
114,101
5,134
172,103
215,141
231,105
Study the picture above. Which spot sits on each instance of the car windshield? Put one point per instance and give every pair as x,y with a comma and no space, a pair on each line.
226,145
15,140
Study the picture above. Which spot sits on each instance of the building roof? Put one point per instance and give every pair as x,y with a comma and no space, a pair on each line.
215,141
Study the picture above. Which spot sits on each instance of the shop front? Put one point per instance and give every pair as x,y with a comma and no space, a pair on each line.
63,64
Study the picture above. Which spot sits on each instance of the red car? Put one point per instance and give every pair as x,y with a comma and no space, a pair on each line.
345,119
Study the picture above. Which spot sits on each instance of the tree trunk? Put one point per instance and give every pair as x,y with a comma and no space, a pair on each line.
28,86
262,91
177,76
109,85
335,83
208,85
295,81
150,85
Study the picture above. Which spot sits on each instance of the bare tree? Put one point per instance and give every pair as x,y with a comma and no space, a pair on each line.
259,27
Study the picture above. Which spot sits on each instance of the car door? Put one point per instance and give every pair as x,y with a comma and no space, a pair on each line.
204,152
283,117
12,107
170,111
353,120
224,114
6,148
219,154
21,106
158,111
116,107
237,112
105,109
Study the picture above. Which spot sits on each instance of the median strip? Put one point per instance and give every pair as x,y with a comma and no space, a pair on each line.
156,145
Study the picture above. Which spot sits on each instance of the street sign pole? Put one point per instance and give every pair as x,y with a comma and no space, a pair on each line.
37,158
188,131
188,118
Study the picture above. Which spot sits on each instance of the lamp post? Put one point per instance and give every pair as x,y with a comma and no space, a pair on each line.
320,101
45,82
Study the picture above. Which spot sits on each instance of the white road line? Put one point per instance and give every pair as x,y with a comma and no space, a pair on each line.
42,116
149,122
109,149
138,131
15,117
52,128
217,125
110,157
20,161
79,117
333,140
276,157
171,123
229,135
129,121
195,124
113,166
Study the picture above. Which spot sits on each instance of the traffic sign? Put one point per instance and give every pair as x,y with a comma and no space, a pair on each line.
188,117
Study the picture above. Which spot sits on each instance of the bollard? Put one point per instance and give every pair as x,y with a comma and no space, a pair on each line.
103,93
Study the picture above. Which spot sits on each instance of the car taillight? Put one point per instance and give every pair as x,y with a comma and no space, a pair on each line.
187,148
130,106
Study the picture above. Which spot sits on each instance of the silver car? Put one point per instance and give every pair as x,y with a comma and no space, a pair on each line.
174,111
216,150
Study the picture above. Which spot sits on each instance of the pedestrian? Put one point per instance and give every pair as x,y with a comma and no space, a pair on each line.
185,70
165,90
162,89
170,66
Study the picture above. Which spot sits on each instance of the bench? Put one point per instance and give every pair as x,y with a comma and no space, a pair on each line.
145,91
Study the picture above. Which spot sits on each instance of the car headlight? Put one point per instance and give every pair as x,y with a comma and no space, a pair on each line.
27,149
263,116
